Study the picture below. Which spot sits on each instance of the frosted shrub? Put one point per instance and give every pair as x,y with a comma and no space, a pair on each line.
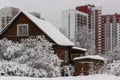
10,50
16,69
68,70
113,55
112,65
34,54
113,68
40,55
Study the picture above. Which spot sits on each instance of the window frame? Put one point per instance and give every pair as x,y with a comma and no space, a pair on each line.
21,25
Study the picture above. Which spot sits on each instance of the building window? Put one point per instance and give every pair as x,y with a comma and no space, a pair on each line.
8,19
22,30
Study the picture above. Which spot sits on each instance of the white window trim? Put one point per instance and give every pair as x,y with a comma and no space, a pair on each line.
22,25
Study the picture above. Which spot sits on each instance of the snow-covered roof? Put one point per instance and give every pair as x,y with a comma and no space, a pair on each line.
48,29
97,57
78,48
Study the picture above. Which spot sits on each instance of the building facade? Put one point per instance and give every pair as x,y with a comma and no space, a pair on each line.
74,25
94,27
111,31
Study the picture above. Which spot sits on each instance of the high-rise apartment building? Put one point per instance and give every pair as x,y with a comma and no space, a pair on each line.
74,25
111,31
94,27
6,14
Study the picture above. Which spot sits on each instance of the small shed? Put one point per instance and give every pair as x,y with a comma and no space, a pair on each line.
88,64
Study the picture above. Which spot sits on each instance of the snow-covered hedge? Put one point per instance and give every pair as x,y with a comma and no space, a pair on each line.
32,57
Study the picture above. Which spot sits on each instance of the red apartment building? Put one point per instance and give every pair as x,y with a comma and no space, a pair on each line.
110,31
94,21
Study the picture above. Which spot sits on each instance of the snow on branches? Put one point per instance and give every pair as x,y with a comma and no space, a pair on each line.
35,54
113,55
112,66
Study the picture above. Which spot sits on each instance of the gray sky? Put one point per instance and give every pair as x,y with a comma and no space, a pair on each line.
51,9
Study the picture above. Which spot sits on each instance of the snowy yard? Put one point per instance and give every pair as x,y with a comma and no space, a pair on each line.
90,77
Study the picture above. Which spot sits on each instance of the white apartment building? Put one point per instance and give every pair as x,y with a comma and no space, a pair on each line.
6,14
74,26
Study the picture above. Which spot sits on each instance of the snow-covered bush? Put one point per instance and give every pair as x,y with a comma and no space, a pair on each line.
68,70
111,68
113,55
40,55
36,53
10,50
15,69
115,68
112,65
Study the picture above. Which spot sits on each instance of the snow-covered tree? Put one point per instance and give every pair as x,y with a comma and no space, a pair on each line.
37,53
90,44
113,55
112,65
81,37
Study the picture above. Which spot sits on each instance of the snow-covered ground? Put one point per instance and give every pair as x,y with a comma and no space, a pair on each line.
90,77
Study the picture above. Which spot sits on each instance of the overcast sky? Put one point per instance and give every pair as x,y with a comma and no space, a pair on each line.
51,9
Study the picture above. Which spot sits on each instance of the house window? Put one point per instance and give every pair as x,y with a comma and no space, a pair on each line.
22,30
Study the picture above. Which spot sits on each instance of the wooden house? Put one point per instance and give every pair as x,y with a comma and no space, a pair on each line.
25,25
